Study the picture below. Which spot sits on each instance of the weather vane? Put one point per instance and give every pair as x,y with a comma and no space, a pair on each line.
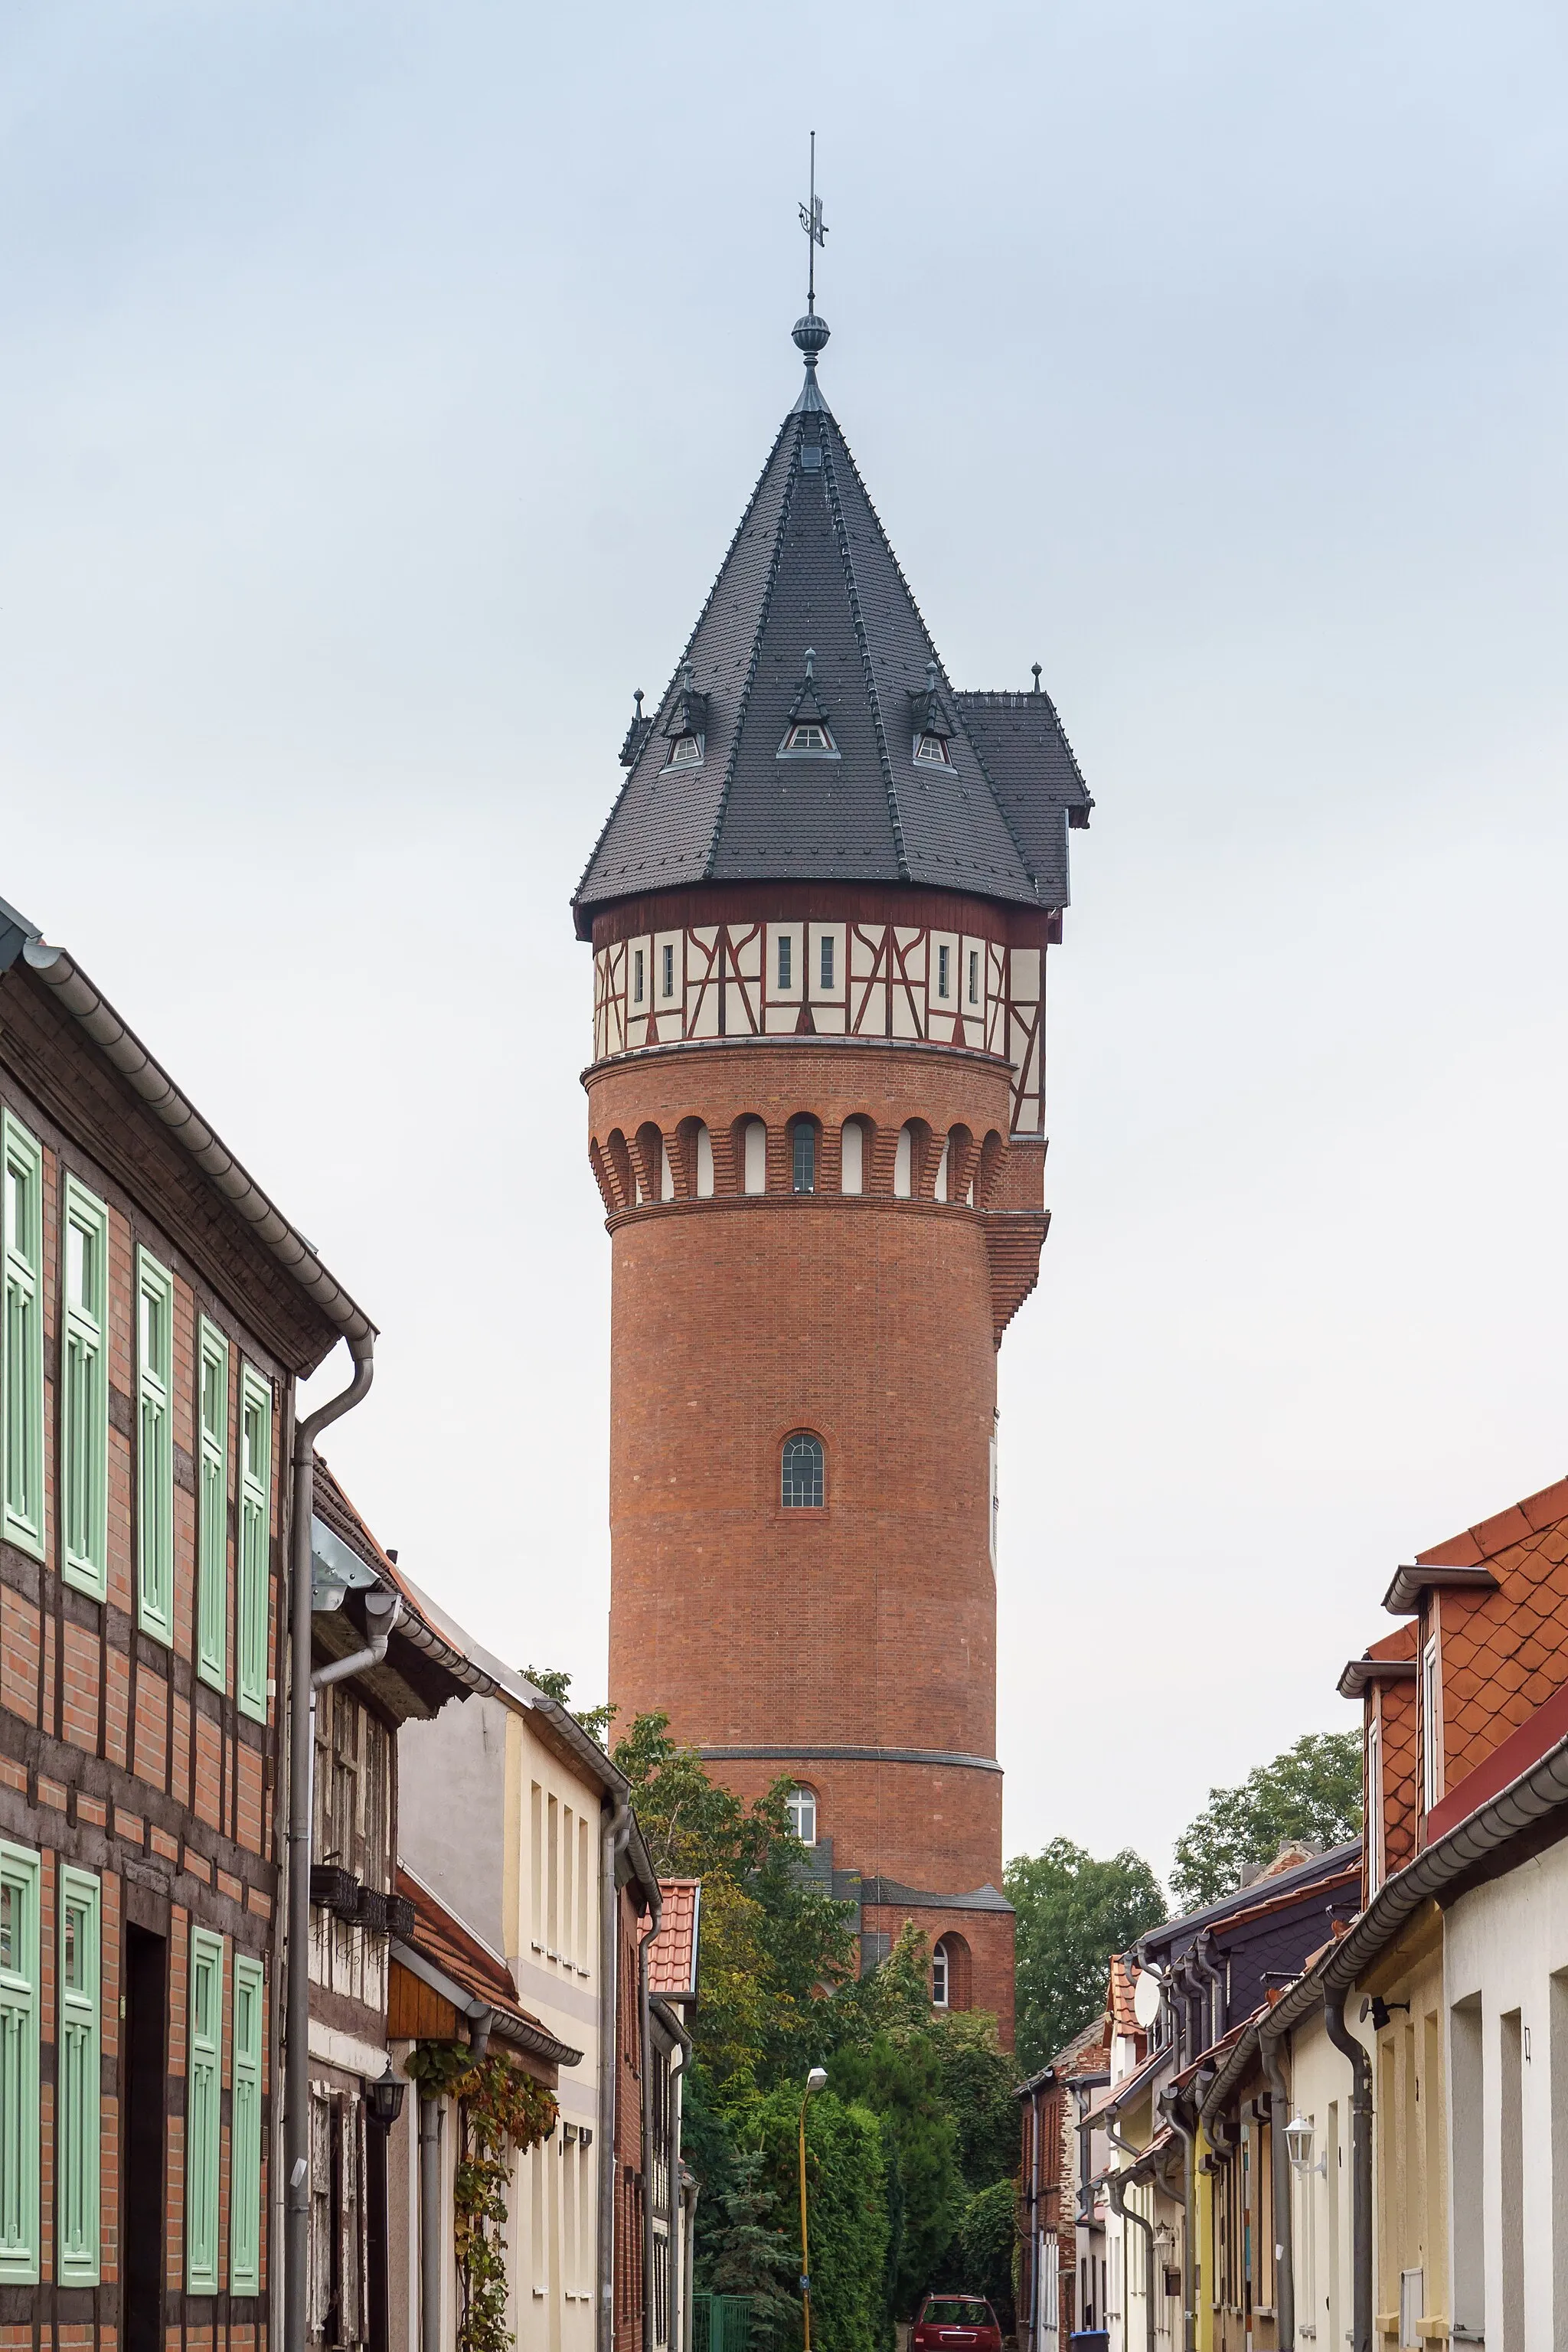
811,221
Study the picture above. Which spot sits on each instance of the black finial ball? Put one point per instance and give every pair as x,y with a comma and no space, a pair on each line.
810,334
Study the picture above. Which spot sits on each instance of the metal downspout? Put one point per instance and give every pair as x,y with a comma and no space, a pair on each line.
1118,2198
1279,2166
1035,2234
1355,2051
430,2222
297,2011
678,2325
1171,2102
1206,1968
645,2018
615,1828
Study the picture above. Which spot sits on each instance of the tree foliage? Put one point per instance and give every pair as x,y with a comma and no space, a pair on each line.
845,2172
1073,1912
594,1721
1313,1791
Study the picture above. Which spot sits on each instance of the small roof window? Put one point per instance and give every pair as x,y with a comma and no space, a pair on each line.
686,751
931,750
809,736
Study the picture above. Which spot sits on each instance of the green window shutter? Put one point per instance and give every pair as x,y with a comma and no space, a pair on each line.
76,2102
154,1448
19,2003
203,2092
245,2135
255,1540
212,1536
22,1336
84,1389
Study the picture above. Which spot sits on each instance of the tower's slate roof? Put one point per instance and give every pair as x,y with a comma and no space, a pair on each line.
810,569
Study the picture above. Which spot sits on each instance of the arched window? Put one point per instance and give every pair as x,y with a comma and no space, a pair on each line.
755,1157
939,1976
801,1806
802,1155
802,1473
704,1164
852,1157
904,1165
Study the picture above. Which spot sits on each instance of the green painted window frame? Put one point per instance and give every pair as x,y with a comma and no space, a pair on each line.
79,2105
154,1448
212,1507
22,1336
255,1580
84,1394
245,2127
203,2109
21,1998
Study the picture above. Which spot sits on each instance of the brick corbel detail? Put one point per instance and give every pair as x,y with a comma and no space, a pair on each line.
1014,1240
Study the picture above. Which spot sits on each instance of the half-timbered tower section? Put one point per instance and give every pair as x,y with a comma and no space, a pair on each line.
820,911
157,1310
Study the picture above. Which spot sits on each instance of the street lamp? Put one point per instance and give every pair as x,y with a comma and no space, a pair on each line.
1298,2147
815,2081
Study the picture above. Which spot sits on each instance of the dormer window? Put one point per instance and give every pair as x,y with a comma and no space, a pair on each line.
685,751
809,737
931,750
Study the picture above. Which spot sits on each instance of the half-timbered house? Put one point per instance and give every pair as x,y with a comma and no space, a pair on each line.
158,1310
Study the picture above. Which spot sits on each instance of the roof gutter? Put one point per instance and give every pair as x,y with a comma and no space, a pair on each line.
484,2019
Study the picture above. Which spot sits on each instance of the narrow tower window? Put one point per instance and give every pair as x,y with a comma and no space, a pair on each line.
801,1806
943,955
975,975
802,1482
755,1157
826,964
939,1976
852,1158
785,944
903,1166
803,1154
636,975
668,972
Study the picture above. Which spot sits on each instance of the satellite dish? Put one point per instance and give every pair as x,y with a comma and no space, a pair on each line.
1146,1998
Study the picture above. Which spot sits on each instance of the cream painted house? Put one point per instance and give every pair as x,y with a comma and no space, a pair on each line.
518,1821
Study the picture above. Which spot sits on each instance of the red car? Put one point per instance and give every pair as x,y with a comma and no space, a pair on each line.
956,2322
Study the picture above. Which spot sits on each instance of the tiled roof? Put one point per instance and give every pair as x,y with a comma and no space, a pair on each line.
441,1937
672,1954
1504,1653
810,569
1122,1979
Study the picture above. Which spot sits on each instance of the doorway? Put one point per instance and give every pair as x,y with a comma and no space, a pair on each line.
143,2157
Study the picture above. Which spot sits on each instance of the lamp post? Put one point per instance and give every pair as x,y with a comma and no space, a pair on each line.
815,2081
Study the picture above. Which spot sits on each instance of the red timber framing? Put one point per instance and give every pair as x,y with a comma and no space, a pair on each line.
149,1346
908,968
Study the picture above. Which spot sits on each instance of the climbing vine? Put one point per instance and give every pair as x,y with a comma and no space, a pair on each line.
499,2110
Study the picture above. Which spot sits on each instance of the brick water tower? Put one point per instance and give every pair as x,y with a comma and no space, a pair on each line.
819,912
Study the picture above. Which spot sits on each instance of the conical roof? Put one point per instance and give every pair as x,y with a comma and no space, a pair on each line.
811,618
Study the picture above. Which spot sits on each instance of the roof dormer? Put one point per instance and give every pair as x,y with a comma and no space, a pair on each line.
808,734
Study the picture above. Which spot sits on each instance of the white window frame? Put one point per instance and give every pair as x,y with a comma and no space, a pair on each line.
78,2100
22,1339
941,1975
1431,1726
253,1573
154,1456
211,1512
801,1806
1374,1805
84,1396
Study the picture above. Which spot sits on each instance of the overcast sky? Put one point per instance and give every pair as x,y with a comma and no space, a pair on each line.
382,386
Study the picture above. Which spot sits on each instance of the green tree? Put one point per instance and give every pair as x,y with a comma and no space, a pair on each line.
977,2084
901,2081
1313,1791
594,1721
847,2187
1072,1912
986,2238
749,2248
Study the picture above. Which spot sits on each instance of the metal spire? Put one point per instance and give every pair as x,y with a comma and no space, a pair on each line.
810,334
